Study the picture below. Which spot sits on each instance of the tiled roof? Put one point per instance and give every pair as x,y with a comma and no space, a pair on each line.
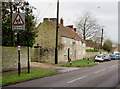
66,31
114,47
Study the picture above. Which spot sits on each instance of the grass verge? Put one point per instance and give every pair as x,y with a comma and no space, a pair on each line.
92,50
11,79
81,63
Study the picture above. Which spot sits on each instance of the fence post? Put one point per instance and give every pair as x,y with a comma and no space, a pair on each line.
88,60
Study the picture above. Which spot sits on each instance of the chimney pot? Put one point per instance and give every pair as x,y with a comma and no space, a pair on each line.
61,21
75,29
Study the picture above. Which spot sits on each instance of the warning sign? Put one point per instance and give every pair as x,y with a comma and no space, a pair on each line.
18,21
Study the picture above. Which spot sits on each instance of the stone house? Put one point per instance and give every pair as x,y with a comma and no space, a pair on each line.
68,39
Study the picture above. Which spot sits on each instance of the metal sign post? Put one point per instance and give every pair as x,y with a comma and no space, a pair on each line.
19,65
18,23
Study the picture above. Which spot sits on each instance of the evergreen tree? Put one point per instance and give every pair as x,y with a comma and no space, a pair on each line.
107,46
27,37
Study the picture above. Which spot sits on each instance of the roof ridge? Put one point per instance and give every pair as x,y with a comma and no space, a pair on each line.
66,31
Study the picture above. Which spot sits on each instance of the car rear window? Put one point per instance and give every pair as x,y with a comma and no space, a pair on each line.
117,53
112,55
99,55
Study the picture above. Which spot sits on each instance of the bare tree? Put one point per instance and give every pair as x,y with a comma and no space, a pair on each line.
97,41
88,27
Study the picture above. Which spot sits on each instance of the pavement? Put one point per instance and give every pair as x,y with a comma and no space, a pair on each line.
103,75
37,65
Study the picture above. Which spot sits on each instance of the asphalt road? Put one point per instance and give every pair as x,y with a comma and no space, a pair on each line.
102,75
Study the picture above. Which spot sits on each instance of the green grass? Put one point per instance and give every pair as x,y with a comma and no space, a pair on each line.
81,63
92,50
6,80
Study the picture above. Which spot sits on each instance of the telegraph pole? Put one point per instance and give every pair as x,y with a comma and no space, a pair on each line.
56,51
101,41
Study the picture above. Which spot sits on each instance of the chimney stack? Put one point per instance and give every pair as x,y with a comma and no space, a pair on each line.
75,29
70,26
45,19
48,19
53,19
61,21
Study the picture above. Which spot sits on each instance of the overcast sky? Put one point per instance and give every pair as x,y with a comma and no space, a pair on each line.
105,11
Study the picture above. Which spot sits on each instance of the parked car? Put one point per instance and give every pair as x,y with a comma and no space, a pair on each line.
117,54
99,57
107,57
112,56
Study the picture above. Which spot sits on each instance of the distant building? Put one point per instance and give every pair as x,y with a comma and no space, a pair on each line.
67,39
115,48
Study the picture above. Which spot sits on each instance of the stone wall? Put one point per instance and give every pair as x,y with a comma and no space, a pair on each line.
48,55
44,55
10,58
92,54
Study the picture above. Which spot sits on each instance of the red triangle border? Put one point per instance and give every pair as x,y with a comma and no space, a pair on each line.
20,18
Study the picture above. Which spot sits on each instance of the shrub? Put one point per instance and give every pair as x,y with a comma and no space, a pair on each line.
92,50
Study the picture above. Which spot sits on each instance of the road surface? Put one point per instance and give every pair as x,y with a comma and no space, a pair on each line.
103,75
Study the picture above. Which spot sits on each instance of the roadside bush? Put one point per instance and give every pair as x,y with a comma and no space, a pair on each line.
92,50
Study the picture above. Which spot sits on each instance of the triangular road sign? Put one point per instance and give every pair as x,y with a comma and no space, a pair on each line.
18,20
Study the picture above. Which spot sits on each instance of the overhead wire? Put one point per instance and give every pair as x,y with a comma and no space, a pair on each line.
46,10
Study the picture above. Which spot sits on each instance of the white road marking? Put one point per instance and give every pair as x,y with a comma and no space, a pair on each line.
99,71
113,69
77,79
112,66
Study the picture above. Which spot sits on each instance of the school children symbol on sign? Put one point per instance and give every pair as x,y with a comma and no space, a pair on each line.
18,21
